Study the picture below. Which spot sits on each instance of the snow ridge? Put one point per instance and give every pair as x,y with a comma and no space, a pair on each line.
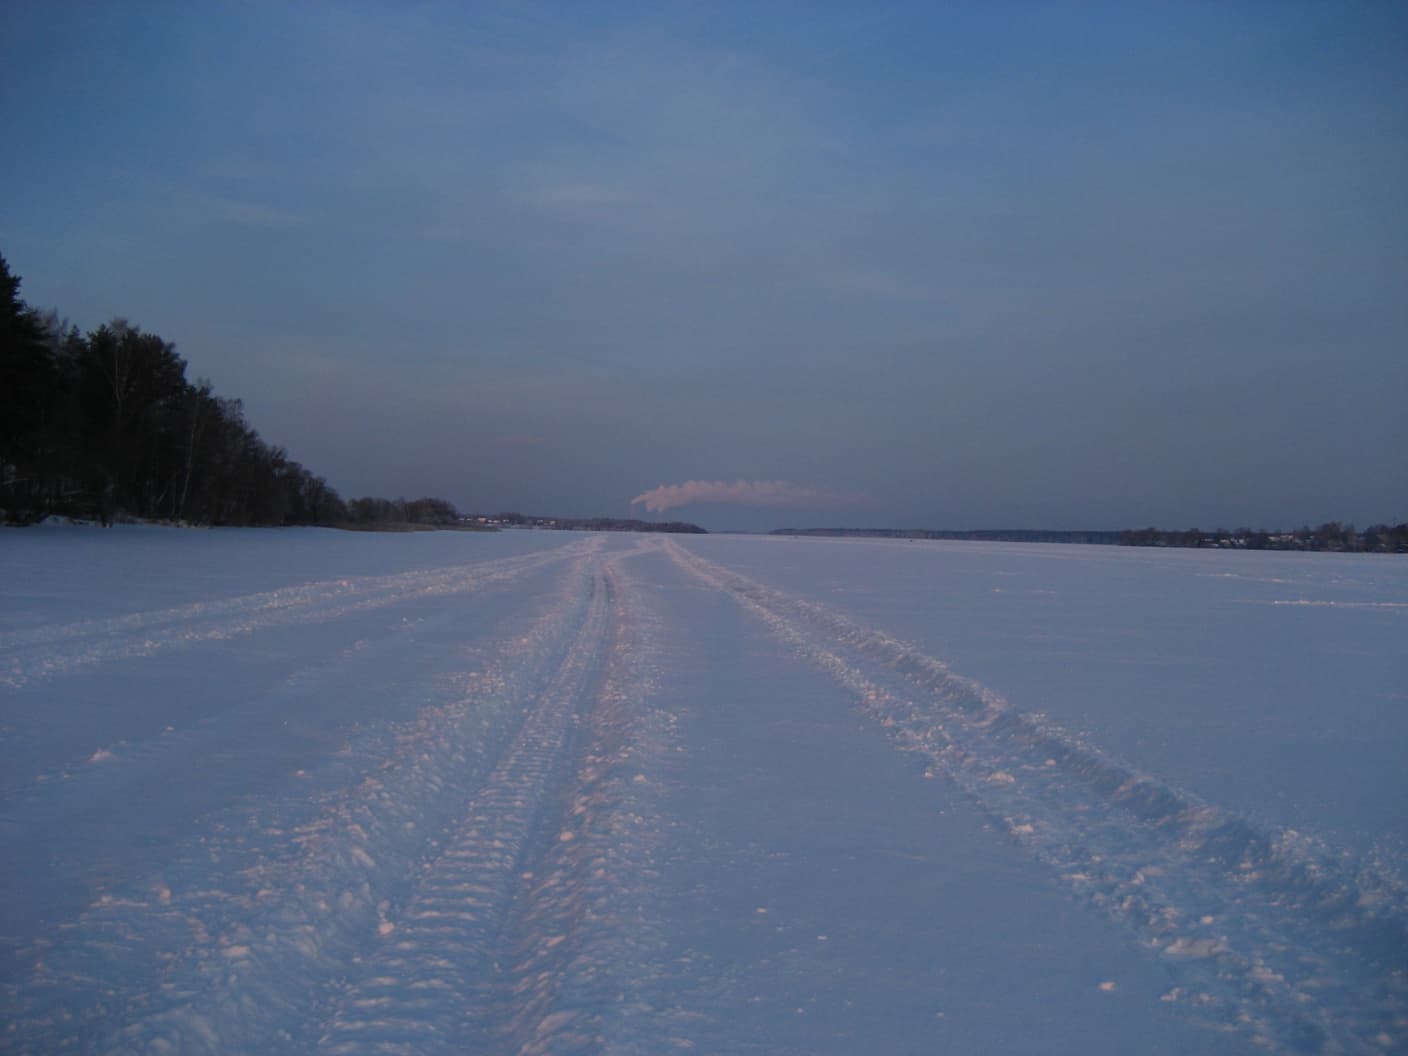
1273,936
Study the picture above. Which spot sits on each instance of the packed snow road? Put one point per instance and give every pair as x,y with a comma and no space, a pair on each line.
535,793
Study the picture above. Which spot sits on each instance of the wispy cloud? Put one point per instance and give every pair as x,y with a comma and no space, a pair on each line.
764,493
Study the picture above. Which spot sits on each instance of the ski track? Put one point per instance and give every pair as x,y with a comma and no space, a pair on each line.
1271,934
482,873
50,651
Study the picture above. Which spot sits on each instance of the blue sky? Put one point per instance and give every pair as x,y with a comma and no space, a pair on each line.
934,265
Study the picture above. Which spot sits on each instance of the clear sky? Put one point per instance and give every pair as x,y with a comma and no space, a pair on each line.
914,265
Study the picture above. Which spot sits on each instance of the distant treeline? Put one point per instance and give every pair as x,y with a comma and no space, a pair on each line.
416,513
1331,536
1380,539
105,424
997,535
585,524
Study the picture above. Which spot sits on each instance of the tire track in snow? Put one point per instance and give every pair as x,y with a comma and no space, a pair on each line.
46,652
1272,935
516,937
325,724
126,765
586,944
234,947
418,991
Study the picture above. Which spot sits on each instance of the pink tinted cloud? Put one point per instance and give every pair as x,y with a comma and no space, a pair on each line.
770,493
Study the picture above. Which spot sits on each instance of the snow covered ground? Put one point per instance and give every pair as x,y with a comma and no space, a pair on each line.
307,791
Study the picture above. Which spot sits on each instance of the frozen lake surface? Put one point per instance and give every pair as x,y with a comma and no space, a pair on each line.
308,791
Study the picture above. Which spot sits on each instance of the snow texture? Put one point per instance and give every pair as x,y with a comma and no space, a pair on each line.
305,791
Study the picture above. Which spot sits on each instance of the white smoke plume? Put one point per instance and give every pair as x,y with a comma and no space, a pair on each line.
771,493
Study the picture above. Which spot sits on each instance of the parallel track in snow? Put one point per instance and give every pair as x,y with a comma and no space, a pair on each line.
471,879
476,866
586,935
422,990
236,942
1271,935
54,650
510,935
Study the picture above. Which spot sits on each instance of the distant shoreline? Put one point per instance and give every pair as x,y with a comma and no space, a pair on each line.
1332,537
1328,538
466,523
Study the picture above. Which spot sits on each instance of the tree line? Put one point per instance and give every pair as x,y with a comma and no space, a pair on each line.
588,524
427,512
106,423
1331,536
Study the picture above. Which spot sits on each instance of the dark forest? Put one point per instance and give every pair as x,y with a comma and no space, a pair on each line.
106,425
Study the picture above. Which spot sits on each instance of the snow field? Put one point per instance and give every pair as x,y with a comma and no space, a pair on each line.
543,794
1275,936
